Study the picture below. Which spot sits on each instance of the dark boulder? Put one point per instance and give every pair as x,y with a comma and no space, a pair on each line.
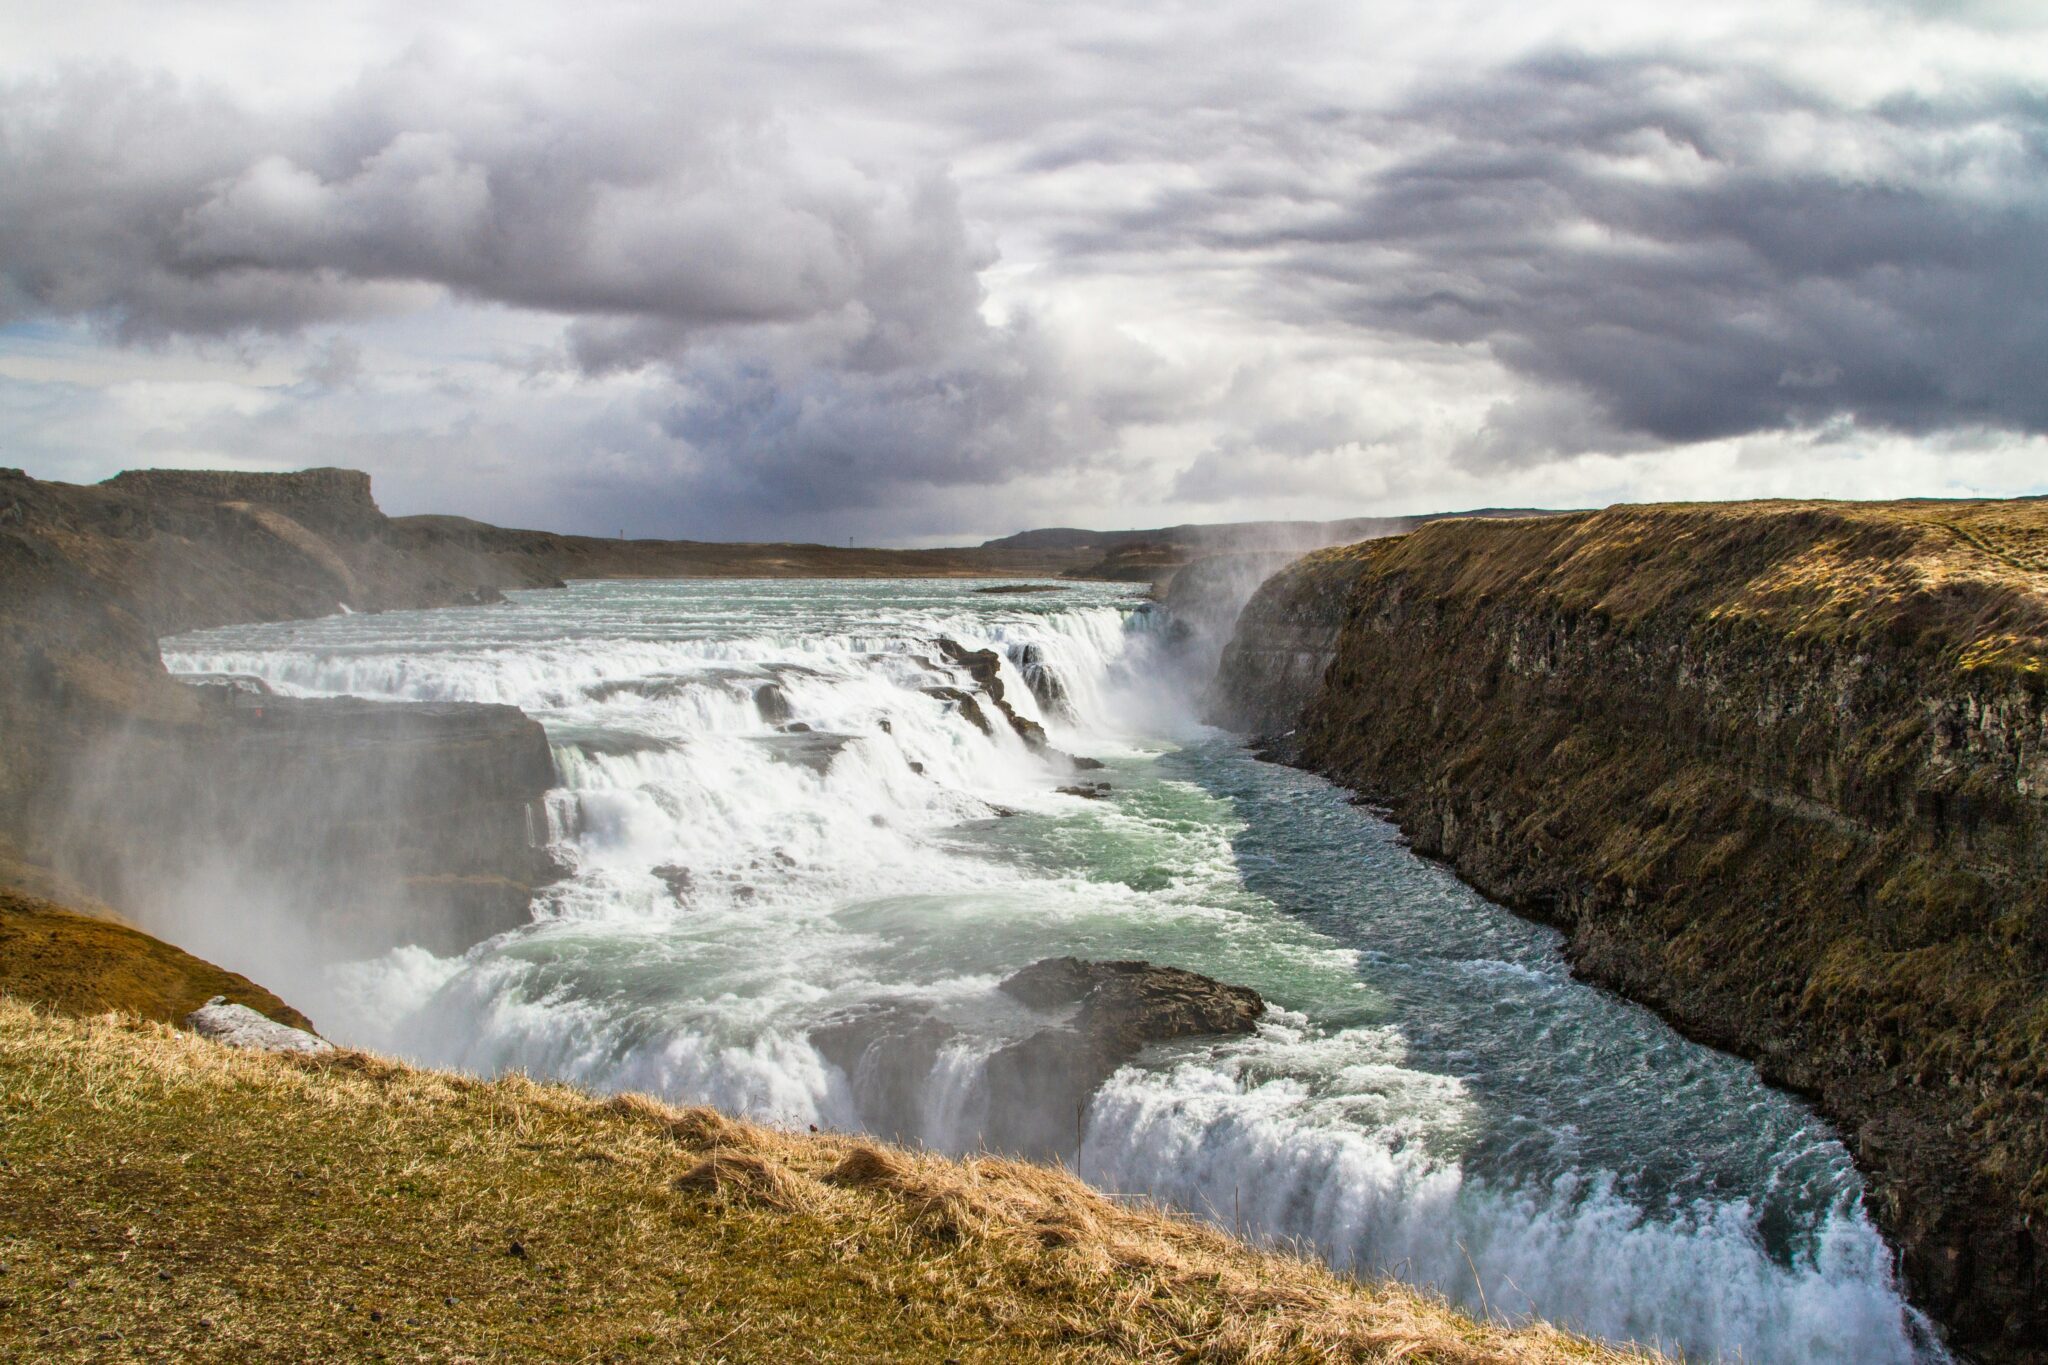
773,703
985,667
1039,1087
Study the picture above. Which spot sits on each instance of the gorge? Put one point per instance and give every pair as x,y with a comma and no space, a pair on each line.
781,844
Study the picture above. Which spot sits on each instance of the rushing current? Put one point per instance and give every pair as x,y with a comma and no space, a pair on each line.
776,811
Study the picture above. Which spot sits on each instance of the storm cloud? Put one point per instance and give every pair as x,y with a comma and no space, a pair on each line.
958,273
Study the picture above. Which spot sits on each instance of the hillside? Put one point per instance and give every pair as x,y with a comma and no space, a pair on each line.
1779,770
80,965
168,1195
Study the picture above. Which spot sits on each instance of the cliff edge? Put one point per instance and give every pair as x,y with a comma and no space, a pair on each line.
321,824
1778,770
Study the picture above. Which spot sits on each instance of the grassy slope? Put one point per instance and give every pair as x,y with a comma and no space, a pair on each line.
166,1195
79,964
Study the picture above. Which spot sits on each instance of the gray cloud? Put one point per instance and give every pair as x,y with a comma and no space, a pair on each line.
160,210
699,278
1625,231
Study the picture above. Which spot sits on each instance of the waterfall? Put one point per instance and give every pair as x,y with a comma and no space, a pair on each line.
804,846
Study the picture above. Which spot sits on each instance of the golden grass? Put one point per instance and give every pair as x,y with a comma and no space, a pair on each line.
1966,581
167,1197
83,964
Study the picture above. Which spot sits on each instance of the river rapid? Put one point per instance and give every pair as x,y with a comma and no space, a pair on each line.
772,822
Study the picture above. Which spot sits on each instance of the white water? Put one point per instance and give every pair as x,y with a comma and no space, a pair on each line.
1432,1097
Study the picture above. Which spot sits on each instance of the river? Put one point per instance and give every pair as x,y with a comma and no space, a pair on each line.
772,823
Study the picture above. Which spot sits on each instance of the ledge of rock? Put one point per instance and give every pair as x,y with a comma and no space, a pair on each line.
1039,1087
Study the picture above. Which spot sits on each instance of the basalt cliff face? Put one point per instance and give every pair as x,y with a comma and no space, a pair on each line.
1779,771
343,824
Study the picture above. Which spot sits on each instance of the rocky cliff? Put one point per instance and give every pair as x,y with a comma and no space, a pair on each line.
361,825
1282,643
1779,771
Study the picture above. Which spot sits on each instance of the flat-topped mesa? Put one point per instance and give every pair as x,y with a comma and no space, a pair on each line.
1778,770
325,499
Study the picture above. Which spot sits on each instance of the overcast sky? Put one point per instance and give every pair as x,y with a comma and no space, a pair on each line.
827,270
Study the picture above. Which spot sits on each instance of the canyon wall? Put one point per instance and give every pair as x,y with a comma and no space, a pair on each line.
219,818
1779,771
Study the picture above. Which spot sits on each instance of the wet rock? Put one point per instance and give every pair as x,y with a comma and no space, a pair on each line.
240,1026
968,706
773,703
1092,791
887,1053
1039,1087
678,880
1039,676
1128,1004
985,666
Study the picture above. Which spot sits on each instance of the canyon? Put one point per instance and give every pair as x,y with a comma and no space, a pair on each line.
1776,771
1779,771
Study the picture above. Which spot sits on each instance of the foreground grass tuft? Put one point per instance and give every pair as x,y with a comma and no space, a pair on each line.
165,1197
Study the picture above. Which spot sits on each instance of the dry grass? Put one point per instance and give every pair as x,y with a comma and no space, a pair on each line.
169,1198
83,964
1966,581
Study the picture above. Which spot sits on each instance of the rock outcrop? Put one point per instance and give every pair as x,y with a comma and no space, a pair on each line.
240,1026
342,825
1039,1086
1035,1090
985,667
369,824
1282,643
1779,771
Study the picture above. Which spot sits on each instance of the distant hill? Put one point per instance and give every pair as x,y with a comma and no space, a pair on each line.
1154,554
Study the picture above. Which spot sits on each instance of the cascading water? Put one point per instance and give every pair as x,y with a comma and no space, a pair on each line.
791,821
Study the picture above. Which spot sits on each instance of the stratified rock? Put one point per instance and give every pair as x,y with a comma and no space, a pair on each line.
352,825
1283,643
1777,770
240,1026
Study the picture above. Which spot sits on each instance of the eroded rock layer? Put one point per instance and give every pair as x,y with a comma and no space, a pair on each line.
1779,771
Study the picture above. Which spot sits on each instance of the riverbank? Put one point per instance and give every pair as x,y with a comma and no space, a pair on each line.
169,1194
1778,772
